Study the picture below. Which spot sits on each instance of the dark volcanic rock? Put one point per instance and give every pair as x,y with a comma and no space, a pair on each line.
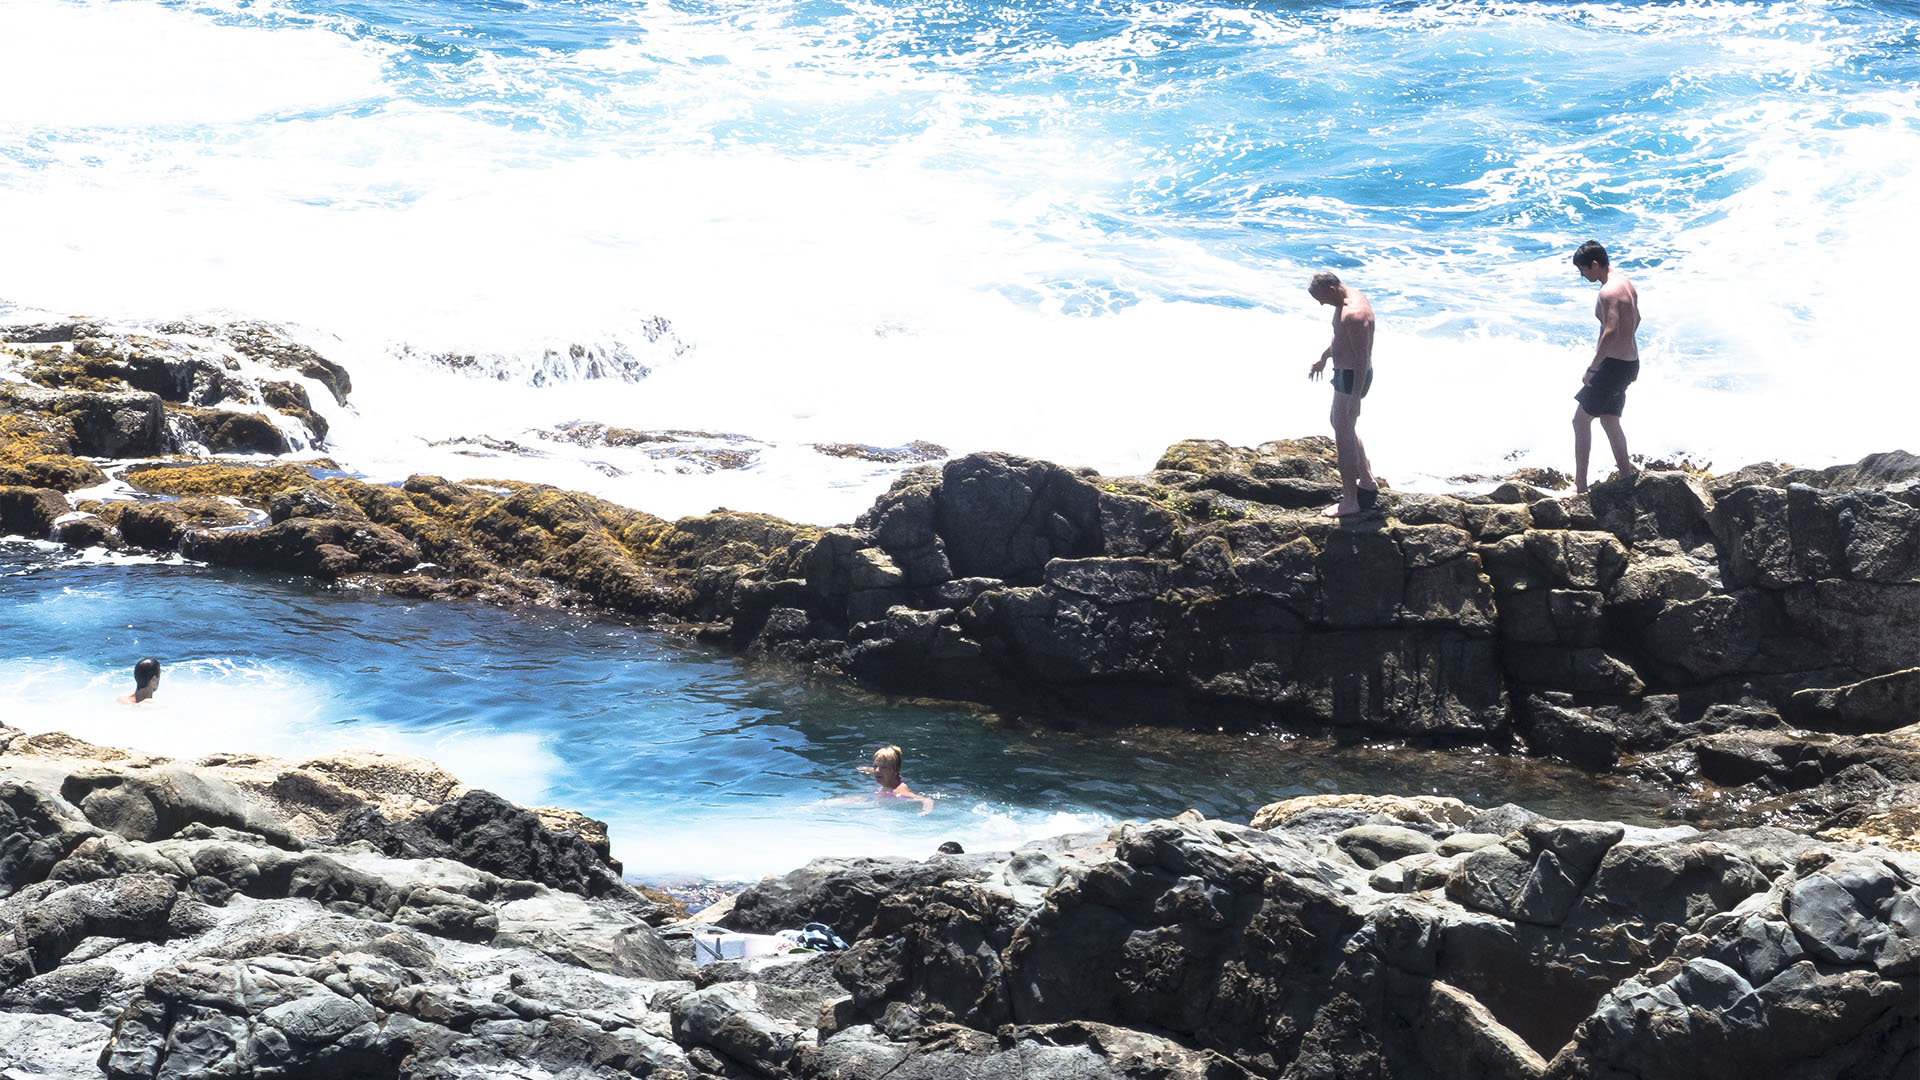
1615,624
36,832
321,548
104,423
489,833
229,431
30,512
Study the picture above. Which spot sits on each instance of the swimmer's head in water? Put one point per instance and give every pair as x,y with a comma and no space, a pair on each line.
146,673
886,761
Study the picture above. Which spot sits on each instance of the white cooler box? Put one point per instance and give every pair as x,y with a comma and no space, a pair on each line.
712,947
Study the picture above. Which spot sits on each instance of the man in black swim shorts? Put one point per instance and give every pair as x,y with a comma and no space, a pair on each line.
1352,354
1616,363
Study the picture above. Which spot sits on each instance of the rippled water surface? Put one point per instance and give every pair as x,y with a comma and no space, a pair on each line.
702,764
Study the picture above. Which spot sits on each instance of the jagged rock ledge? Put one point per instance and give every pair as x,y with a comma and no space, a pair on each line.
1753,631
365,916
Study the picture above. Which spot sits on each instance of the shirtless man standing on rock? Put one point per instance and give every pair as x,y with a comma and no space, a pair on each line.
1352,356
1616,363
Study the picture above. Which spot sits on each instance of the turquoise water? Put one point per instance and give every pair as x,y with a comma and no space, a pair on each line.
704,765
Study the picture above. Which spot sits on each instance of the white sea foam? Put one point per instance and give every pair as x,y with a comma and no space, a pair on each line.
211,705
746,846
856,238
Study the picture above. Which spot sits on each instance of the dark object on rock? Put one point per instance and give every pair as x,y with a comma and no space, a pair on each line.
952,847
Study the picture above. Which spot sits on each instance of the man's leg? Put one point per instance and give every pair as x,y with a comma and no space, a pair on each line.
1582,444
1347,445
1617,439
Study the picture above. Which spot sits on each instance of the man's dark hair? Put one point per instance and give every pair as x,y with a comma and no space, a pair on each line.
1589,253
1325,279
146,671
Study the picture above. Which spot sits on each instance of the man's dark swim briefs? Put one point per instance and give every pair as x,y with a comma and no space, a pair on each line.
1606,395
1343,381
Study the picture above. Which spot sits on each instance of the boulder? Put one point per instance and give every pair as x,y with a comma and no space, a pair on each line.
84,531
1882,703
30,512
1006,517
489,833
36,832
104,423
320,548
158,803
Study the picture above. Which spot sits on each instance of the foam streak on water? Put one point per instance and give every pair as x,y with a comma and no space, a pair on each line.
1074,229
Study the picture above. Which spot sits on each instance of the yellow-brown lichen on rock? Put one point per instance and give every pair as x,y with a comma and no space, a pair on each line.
202,512
1213,455
253,483
726,538
37,451
51,471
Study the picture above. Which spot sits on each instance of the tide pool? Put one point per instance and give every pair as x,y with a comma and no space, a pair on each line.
703,765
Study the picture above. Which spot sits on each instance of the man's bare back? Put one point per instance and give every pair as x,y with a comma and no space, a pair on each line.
1618,309
1352,348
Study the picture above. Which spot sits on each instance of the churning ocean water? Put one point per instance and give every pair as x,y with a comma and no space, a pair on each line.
1076,229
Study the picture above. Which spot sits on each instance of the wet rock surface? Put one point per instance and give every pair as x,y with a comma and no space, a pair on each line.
97,390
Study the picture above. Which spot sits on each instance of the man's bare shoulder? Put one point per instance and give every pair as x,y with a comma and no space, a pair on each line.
1619,287
1358,308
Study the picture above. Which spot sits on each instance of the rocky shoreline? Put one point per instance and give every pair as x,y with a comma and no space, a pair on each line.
1749,640
367,916
1752,631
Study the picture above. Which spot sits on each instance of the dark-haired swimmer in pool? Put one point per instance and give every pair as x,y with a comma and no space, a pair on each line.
146,681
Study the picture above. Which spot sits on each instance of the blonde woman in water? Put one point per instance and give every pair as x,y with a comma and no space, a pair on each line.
885,771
